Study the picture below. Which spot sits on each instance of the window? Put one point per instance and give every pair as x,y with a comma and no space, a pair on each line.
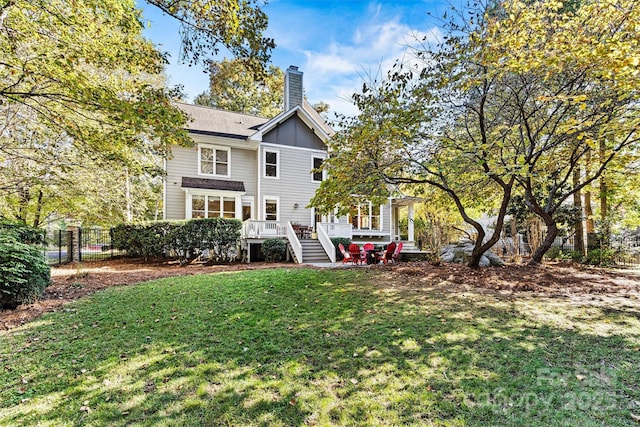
317,164
271,164
197,207
271,209
213,160
365,216
229,207
212,206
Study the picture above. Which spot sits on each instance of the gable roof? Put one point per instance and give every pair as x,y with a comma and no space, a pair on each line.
307,114
212,121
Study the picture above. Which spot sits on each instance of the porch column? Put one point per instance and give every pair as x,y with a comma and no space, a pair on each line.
410,229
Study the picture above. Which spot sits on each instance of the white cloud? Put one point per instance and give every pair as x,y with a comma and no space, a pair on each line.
336,70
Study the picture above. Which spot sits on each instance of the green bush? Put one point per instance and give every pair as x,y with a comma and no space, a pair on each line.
345,242
22,232
273,249
185,240
603,257
24,272
558,254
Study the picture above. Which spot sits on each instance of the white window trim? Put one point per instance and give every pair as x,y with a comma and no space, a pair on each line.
324,173
381,222
248,200
217,148
209,193
264,207
264,163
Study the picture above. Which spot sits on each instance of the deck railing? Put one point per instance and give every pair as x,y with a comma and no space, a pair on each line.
327,244
336,230
253,229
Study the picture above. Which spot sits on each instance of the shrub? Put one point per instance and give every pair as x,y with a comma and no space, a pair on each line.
273,249
605,256
22,232
345,242
23,272
185,240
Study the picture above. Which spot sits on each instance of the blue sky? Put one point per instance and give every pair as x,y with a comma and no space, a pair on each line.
336,44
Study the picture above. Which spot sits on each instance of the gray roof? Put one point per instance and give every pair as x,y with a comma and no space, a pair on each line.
212,184
211,121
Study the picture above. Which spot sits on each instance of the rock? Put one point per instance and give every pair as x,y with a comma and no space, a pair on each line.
447,256
461,251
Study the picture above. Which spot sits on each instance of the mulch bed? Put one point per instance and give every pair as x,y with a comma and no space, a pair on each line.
74,281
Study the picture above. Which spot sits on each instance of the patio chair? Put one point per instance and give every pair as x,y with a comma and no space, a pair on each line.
396,254
387,255
354,251
346,256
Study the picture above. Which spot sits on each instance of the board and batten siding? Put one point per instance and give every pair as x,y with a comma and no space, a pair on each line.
184,163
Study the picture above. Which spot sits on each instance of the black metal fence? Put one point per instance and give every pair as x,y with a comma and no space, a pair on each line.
79,244
625,250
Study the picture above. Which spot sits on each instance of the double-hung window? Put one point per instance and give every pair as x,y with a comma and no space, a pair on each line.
213,160
271,164
316,174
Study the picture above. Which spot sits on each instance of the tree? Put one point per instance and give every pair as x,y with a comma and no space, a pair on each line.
237,25
234,87
574,97
78,78
507,100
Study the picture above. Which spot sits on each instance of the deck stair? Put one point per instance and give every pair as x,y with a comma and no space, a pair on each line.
313,252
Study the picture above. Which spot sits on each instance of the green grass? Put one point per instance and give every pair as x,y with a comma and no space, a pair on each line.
309,347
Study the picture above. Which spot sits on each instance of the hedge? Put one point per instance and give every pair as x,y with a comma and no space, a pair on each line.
24,273
213,238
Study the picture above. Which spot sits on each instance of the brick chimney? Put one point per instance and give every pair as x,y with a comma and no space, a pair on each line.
293,89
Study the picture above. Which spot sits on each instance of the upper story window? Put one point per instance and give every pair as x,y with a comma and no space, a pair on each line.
317,175
213,160
271,164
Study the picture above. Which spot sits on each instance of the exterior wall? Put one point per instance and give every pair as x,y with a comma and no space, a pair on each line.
184,163
294,184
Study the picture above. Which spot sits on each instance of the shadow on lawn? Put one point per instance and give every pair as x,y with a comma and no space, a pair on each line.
304,347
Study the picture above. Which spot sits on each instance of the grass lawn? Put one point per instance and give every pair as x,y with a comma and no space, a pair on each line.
289,347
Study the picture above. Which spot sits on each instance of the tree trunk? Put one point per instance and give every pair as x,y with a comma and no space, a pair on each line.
552,232
588,209
605,229
578,239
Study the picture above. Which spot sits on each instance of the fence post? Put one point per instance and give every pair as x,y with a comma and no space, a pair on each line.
74,243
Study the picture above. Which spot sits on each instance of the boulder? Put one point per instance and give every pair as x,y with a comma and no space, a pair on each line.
461,251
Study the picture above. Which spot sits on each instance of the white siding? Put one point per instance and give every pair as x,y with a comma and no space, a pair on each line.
184,162
294,185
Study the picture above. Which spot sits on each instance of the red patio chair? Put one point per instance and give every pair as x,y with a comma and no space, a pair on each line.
354,251
346,256
387,255
396,254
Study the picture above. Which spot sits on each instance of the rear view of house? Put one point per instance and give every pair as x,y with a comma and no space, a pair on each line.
261,171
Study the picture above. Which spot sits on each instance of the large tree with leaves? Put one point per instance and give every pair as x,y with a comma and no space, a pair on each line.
80,75
507,100
234,87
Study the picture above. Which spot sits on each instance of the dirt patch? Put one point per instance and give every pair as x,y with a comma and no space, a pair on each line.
557,280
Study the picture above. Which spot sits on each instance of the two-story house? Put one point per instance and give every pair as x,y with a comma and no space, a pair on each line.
260,171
